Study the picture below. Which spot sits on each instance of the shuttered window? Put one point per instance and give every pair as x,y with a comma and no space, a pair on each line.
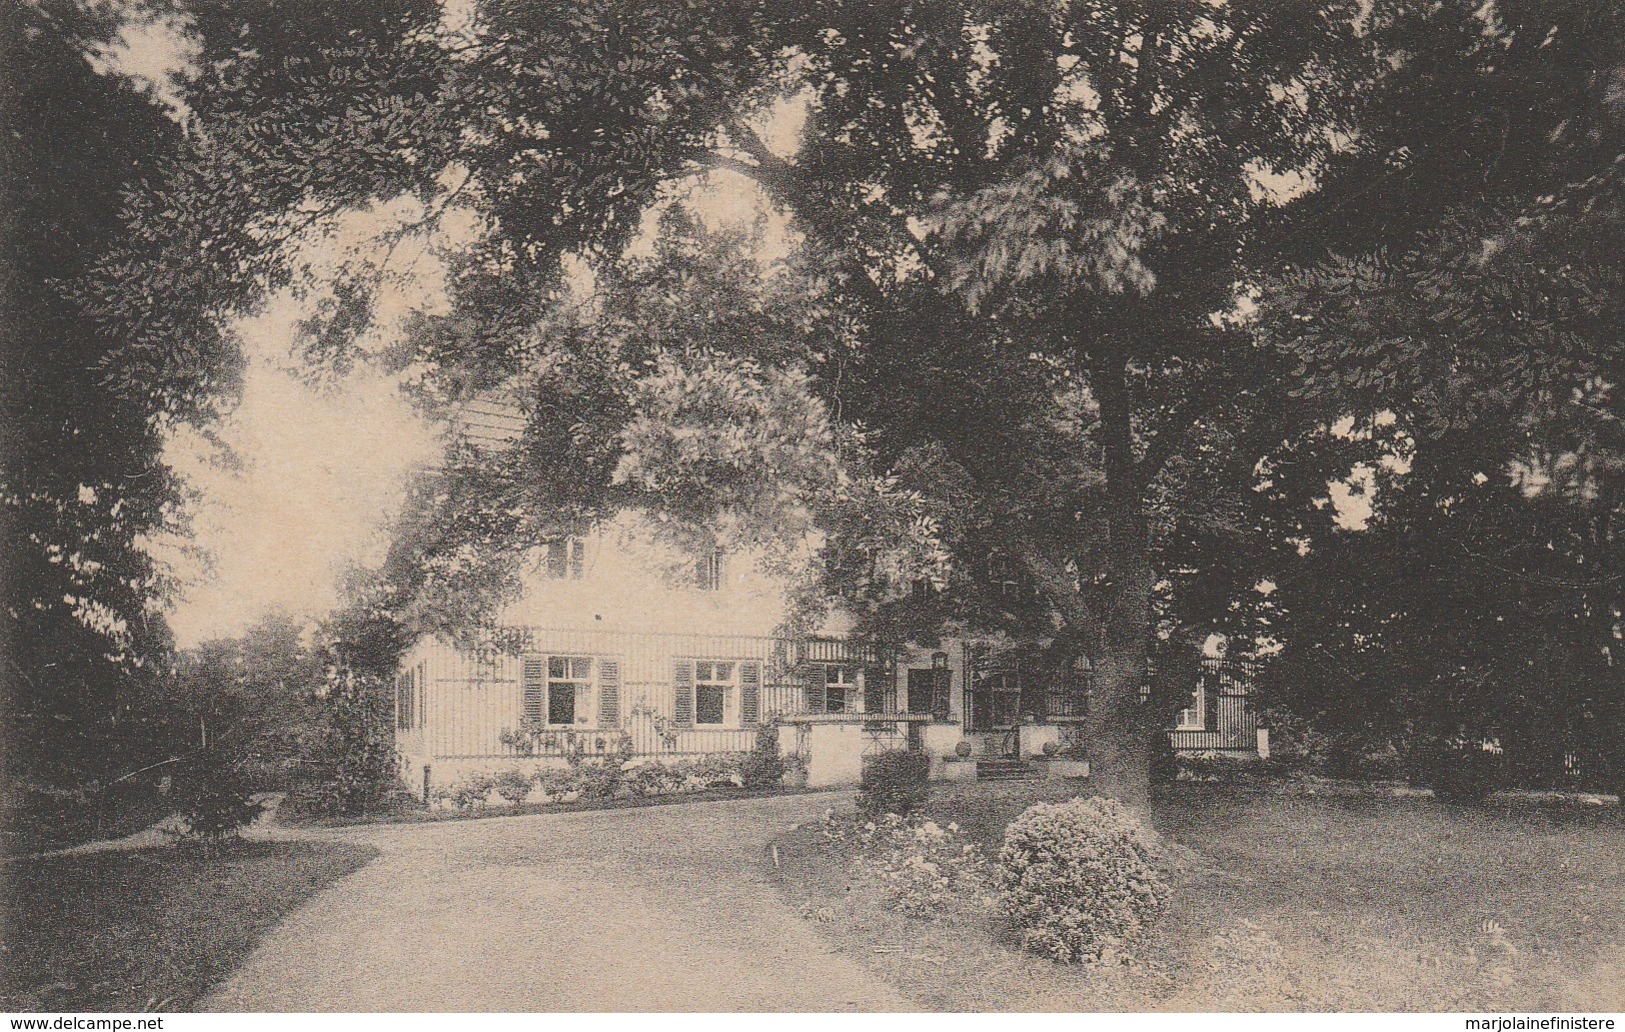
713,692
710,570
750,693
558,690
817,692
567,559
717,692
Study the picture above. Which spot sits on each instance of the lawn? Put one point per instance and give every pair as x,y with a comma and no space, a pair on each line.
1281,903
148,929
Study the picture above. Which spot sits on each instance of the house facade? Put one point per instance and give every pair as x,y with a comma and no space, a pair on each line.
624,643
623,646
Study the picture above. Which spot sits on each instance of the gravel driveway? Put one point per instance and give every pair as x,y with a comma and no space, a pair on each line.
662,908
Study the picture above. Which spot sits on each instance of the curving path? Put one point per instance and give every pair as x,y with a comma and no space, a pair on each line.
663,908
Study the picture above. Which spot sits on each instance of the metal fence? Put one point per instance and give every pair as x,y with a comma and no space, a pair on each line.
1227,717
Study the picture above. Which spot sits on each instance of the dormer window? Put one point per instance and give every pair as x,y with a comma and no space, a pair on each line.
566,559
710,570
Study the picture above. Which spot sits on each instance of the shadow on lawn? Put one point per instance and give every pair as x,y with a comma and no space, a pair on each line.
1282,903
148,929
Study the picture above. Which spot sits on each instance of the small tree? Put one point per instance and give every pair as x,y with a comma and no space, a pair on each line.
215,798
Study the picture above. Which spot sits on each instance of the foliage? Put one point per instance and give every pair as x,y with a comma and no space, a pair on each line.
1468,346
83,484
653,777
350,764
214,797
596,779
1217,768
468,793
601,778
924,869
795,771
1029,237
533,737
762,766
1078,878
258,691
896,781
514,785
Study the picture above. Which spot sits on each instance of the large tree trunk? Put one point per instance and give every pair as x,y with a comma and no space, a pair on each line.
1120,725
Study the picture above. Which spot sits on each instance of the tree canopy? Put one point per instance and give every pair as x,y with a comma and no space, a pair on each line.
1040,225
82,482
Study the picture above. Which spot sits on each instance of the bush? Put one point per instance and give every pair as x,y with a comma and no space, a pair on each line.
963,749
762,766
1461,771
795,771
600,779
654,778
1077,878
894,782
514,785
719,770
469,793
923,870
214,799
350,766
557,781
1050,748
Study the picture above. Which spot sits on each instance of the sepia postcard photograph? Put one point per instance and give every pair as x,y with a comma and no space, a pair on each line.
560,507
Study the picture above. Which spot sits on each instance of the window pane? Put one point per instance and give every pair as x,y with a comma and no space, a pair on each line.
709,704
557,667
725,672
561,703
702,671
581,669
837,698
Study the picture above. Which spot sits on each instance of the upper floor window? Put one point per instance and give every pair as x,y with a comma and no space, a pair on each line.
714,692
1003,576
566,558
710,570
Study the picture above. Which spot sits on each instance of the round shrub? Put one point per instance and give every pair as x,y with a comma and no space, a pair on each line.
894,782
962,749
514,785
1050,748
1076,878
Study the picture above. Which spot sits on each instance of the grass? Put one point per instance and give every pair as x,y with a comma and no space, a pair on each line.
148,929
31,823
1281,903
